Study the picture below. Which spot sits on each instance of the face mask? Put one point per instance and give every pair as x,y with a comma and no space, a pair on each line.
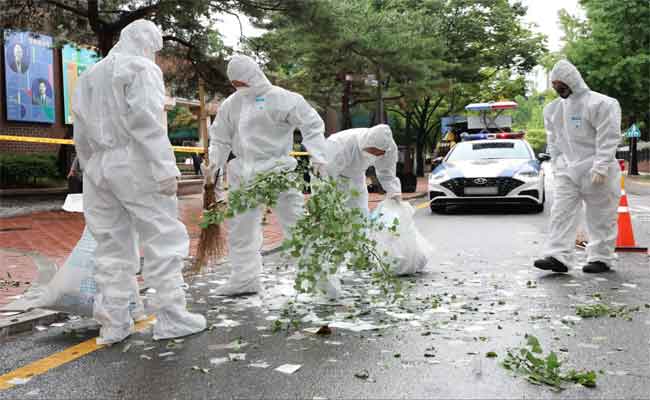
370,159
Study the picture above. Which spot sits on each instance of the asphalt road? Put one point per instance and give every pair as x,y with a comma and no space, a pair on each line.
487,298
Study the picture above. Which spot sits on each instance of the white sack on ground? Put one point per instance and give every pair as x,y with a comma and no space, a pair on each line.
72,289
408,251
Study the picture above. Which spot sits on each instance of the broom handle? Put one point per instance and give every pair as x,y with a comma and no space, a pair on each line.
203,129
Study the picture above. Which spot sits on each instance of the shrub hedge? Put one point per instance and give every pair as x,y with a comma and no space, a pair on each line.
26,169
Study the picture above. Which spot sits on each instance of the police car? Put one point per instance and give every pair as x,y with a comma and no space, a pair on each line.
488,168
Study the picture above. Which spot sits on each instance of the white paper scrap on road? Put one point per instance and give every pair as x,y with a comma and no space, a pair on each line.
357,326
227,323
571,318
629,285
288,368
237,356
401,316
474,328
218,360
167,354
19,381
260,364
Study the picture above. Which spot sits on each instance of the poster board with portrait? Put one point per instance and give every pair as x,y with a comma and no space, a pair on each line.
74,60
29,74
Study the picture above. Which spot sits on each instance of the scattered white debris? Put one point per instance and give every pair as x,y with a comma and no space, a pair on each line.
288,368
218,360
357,326
167,354
40,328
19,381
145,357
237,356
333,343
226,323
629,285
260,364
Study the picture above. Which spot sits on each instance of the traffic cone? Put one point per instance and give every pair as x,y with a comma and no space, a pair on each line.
625,240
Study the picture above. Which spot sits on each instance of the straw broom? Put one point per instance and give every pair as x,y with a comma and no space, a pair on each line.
212,243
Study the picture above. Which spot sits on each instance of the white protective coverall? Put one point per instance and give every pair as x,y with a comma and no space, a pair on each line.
349,162
583,133
257,123
130,186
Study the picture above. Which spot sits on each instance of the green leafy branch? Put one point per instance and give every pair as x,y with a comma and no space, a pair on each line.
541,370
263,190
331,235
328,235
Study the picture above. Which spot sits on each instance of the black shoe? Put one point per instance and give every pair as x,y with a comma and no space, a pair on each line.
596,267
551,264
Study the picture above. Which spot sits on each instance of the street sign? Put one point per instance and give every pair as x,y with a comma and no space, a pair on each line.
633,132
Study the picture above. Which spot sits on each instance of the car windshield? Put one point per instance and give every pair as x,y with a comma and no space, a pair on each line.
467,151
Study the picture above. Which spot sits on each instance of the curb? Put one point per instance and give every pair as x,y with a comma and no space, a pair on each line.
636,187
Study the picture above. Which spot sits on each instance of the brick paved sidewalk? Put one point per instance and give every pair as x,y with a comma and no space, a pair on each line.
54,234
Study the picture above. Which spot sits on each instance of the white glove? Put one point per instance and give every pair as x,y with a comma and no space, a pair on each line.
394,196
319,168
597,179
169,186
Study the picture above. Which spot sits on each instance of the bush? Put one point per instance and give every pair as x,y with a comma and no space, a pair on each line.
27,169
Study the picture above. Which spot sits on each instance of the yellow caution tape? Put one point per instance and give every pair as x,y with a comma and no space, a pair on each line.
177,149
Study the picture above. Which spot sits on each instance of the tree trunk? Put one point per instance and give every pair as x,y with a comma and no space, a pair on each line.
345,104
419,157
105,42
380,99
408,160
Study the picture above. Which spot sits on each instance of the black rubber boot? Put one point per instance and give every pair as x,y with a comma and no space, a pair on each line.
551,264
596,267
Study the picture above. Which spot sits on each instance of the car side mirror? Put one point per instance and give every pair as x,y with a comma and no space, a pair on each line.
435,162
543,157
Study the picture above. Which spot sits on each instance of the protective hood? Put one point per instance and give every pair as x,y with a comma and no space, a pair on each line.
567,73
379,136
140,38
244,69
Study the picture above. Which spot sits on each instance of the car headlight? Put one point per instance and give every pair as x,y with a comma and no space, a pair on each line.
438,178
527,176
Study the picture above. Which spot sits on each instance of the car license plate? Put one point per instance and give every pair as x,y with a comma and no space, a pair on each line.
487,190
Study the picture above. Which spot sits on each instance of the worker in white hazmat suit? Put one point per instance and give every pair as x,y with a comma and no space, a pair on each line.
584,128
353,151
257,123
130,183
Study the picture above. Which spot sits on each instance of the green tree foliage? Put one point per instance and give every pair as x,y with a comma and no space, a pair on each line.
189,26
431,57
612,51
529,117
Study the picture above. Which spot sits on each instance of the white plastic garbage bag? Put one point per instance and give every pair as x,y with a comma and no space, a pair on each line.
408,251
72,289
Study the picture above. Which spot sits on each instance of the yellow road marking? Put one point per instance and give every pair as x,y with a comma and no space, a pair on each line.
178,149
423,205
63,357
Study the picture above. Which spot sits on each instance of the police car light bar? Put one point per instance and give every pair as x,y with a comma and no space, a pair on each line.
492,106
466,137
